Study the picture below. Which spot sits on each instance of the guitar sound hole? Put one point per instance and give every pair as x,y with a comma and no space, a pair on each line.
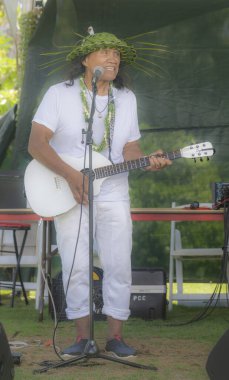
86,172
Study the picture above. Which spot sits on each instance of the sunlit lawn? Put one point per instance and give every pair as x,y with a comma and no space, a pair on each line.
198,288
189,288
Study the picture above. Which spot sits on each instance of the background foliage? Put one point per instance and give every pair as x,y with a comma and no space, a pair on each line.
184,182
8,67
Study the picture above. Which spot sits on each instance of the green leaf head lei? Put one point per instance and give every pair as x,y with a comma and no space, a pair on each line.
138,52
97,41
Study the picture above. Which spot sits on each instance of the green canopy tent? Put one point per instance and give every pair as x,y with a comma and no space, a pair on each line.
7,131
191,96
187,103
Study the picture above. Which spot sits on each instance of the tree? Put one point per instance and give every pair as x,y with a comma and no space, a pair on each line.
183,182
8,67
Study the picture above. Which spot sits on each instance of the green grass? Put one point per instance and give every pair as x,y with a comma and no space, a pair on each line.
179,352
197,288
189,288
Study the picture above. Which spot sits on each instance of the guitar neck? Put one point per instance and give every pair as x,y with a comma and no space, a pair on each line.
126,166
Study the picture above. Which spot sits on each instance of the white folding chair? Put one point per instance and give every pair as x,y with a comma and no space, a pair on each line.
177,255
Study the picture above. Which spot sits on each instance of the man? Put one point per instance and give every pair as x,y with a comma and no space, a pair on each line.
58,127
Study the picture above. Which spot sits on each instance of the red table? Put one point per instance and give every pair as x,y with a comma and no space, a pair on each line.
176,214
138,214
18,215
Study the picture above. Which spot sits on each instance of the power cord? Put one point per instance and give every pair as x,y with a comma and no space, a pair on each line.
215,297
69,278
57,320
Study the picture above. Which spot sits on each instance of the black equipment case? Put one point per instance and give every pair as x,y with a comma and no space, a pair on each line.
12,194
148,293
59,299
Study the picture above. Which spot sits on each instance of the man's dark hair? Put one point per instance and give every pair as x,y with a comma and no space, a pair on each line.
77,69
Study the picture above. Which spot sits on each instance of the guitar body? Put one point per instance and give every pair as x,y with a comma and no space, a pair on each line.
48,194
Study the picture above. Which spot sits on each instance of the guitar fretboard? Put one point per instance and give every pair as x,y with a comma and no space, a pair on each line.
142,162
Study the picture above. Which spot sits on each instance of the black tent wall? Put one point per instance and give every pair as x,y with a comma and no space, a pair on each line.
192,95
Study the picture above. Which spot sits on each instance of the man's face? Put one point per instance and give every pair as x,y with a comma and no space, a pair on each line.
108,59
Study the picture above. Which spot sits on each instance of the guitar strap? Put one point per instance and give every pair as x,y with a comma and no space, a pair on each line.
112,122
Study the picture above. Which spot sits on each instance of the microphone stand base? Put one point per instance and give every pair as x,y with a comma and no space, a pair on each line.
92,352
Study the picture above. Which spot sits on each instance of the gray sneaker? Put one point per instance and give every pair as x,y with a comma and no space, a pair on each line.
117,347
75,349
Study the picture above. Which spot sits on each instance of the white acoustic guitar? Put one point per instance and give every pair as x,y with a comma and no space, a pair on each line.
49,195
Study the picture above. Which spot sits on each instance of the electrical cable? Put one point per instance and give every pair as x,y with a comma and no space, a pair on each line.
215,297
57,320
75,249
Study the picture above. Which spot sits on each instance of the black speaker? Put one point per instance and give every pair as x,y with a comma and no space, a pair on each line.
12,194
217,365
148,293
6,360
60,300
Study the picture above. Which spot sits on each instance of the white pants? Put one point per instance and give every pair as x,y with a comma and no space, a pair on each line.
113,234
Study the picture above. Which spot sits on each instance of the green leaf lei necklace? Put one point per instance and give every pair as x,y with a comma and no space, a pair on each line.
109,119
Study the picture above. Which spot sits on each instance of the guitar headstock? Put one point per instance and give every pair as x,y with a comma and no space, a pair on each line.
200,150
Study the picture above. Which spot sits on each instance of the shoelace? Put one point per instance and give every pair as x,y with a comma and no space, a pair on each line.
118,337
79,338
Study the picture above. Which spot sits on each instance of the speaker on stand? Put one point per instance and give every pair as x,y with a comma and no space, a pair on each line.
6,360
217,365
60,301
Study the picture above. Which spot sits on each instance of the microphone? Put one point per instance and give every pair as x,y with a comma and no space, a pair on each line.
97,73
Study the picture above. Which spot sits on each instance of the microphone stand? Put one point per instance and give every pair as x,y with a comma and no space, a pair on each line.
91,349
